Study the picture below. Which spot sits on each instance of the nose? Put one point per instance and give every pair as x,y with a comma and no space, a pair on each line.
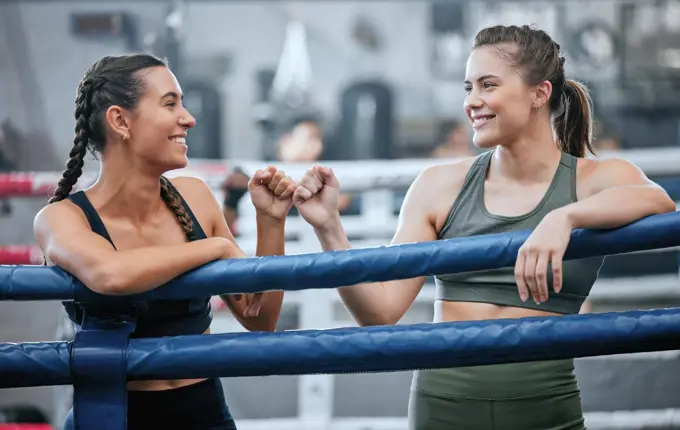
187,120
472,101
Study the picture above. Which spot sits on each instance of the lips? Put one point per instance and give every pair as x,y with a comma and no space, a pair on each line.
480,120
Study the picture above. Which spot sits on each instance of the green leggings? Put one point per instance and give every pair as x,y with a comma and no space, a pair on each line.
556,412
525,396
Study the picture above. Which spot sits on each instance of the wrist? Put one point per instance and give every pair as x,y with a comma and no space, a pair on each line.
332,236
568,215
331,227
269,221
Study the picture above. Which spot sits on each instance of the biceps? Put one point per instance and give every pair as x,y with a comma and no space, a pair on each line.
73,247
414,225
615,174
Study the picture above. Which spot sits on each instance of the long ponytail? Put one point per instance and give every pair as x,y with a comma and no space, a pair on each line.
574,122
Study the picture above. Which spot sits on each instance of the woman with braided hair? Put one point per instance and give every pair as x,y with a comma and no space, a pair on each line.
134,229
535,125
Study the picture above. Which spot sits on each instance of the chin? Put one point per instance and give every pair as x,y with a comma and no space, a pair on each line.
484,141
169,165
181,163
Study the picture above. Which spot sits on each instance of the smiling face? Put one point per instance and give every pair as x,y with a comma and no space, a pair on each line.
158,128
498,102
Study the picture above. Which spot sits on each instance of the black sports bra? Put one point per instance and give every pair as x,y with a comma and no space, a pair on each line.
158,318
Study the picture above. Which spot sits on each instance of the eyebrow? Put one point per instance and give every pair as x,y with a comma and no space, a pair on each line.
481,78
173,95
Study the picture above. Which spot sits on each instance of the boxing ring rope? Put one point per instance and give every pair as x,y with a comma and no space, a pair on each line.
348,267
360,350
102,341
376,181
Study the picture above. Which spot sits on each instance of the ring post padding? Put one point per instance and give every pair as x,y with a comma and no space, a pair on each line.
99,366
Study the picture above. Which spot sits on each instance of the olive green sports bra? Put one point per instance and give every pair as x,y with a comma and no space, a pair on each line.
469,217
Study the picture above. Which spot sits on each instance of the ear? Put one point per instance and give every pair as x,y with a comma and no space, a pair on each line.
118,121
542,93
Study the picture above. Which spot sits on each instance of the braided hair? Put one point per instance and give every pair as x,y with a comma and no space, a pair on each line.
111,81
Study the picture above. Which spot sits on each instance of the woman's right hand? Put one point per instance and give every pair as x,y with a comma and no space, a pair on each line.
253,301
317,197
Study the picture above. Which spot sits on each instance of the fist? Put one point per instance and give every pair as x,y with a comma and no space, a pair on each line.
272,192
317,195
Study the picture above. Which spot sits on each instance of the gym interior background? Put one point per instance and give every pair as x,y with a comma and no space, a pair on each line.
380,80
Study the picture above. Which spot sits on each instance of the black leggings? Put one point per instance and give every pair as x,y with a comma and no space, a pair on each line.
195,407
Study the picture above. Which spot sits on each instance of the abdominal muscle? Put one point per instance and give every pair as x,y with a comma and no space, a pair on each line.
162,385
445,311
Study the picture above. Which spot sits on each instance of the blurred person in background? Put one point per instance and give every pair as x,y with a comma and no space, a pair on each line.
234,188
535,125
454,141
300,139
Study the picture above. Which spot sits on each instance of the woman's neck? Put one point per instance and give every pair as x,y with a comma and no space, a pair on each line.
124,190
531,158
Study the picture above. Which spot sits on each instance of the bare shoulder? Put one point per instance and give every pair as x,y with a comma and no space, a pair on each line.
434,191
63,212
190,184
595,175
194,190
60,219
606,166
444,177
200,199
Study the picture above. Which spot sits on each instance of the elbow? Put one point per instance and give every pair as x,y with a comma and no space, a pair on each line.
376,320
269,327
661,201
106,279
666,204
260,326
95,274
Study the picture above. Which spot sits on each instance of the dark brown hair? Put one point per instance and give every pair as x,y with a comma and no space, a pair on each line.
112,81
538,58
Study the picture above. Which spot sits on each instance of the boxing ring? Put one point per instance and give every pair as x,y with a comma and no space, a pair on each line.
104,344
101,358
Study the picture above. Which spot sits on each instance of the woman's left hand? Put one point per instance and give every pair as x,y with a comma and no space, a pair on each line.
546,245
271,192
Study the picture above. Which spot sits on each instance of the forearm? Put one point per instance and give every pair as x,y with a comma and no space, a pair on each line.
270,242
139,270
616,207
369,303
270,236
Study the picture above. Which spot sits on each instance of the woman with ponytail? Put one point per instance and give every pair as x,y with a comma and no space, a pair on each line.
135,229
536,125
